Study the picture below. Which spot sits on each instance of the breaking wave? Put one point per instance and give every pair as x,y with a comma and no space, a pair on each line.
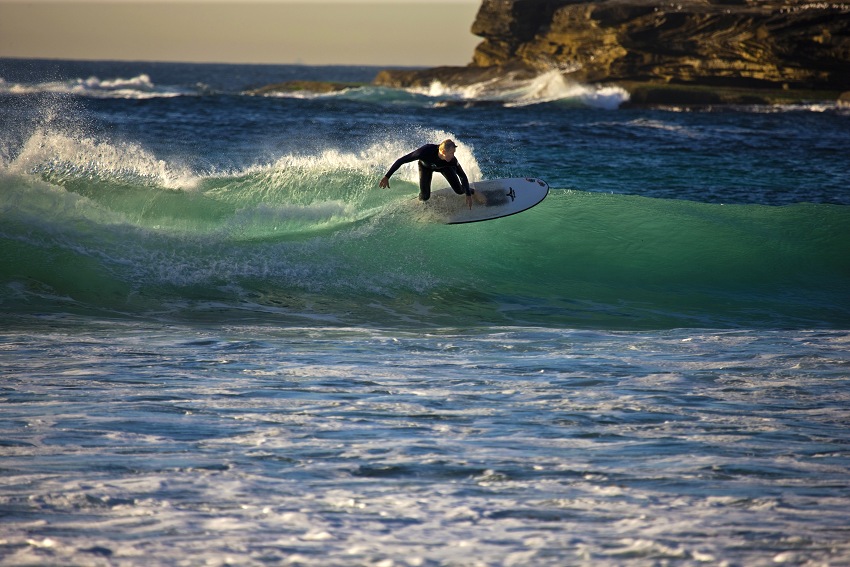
89,225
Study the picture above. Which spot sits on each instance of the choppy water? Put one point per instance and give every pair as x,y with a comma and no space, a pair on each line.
223,344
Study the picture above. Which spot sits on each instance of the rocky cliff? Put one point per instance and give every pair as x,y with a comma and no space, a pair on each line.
719,43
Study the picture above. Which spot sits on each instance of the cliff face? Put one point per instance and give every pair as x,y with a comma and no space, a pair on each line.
729,43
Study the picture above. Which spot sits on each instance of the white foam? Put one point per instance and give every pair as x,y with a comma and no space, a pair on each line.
138,87
551,86
368,447
554,86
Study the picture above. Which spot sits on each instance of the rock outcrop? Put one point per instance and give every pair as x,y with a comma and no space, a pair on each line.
720,43
288,87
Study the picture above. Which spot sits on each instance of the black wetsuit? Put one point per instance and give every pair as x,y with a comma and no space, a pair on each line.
429,162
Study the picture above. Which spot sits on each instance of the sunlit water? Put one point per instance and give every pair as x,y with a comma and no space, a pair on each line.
222,344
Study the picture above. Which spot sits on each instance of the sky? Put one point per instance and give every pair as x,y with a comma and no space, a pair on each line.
311,32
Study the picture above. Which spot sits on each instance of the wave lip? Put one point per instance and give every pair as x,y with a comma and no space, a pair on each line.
62,157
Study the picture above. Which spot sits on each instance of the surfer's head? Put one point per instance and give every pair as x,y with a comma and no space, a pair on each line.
447,149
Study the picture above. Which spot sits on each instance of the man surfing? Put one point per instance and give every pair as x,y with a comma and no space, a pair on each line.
434,157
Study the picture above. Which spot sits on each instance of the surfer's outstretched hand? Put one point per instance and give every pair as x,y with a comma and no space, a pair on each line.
384,182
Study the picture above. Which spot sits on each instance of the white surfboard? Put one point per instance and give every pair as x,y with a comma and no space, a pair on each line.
495,198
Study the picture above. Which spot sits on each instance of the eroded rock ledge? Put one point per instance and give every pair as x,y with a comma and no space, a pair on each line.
736,47
321,87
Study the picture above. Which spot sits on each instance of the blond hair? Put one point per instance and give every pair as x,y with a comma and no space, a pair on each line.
447,144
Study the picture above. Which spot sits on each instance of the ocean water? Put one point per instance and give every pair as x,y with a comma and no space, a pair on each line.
223,344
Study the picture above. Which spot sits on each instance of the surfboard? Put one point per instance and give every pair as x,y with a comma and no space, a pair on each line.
495,198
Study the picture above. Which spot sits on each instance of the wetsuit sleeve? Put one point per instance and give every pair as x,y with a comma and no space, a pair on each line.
412,156
463,179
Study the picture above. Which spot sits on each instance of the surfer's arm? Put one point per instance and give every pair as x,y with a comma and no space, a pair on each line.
412,156
464,180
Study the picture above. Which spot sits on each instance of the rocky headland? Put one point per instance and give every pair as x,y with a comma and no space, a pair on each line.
681,52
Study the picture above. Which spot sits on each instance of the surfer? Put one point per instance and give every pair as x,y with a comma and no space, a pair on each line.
434,157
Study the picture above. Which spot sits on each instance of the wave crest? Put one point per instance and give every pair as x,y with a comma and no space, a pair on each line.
58,156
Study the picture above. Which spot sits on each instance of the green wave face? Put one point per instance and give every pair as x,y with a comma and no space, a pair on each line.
315,238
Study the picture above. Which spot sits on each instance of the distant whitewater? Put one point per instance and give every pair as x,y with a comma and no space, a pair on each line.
552,86
139,87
